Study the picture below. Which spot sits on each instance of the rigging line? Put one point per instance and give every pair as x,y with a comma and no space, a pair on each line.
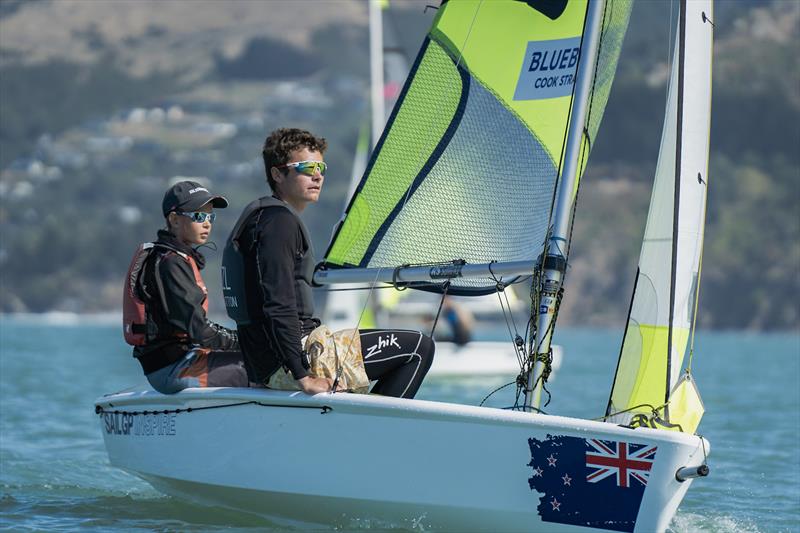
366,303
101,410
705,454
519,348
501,387
469,32
559,164
511,315
528,329
587,145
653,414
446,286
653,409
697,284
514,336
559,183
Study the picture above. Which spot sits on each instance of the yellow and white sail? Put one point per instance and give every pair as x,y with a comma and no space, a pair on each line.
648,386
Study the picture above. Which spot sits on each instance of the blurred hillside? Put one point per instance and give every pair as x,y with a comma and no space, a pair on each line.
101,110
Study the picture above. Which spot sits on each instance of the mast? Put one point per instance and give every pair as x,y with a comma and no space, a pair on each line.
376,70
555,261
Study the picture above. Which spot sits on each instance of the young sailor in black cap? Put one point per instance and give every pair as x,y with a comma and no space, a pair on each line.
166,301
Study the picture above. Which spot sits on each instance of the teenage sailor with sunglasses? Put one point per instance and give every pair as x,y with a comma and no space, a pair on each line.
268,268
166,306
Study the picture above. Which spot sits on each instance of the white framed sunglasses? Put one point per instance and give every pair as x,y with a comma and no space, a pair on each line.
198,216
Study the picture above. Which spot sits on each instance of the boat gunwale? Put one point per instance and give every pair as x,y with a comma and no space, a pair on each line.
374,405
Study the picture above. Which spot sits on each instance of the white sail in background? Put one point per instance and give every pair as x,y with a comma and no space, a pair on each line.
662,310
388,70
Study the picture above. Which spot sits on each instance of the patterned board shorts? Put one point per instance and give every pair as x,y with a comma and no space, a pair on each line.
200,368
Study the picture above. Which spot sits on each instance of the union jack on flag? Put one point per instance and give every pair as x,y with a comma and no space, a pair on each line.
620,459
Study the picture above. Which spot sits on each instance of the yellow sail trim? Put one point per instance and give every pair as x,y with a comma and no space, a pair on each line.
685,405
643,367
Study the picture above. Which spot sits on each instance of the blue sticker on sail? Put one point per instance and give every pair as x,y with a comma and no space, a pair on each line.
590,482
548,70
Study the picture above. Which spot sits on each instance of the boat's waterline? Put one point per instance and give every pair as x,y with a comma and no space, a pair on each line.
337,458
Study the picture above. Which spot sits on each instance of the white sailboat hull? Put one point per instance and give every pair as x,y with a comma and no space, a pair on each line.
482,358
356,460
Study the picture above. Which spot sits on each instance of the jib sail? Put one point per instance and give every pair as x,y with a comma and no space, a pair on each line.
648,376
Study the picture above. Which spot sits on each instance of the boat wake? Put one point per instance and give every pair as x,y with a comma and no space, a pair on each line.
710,523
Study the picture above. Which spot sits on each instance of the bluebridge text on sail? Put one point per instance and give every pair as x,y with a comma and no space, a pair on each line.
548,69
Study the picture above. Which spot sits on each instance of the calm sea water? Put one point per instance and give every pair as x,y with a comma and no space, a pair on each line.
55,475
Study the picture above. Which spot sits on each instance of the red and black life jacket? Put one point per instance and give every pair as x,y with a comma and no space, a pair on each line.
134,310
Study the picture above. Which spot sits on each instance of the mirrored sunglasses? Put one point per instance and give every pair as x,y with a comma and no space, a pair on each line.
199,216
309,168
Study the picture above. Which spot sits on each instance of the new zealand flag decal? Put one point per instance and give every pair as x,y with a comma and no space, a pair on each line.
590,482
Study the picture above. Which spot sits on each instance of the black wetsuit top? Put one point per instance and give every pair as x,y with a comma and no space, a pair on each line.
174,304
275,253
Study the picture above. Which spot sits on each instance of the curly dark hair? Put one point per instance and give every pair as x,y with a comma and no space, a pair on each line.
283,142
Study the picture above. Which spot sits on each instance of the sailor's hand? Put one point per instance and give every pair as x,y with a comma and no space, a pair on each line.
312,385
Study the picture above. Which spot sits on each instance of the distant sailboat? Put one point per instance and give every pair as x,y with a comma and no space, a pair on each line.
472,184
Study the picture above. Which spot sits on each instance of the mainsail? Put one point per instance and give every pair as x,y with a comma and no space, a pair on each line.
648,376
467,165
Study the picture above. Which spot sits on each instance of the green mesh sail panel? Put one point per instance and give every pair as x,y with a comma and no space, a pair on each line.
615,24
478,200
467,165
428,105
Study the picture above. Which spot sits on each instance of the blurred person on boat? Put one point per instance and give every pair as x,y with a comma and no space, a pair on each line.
166,301
460,321
268,268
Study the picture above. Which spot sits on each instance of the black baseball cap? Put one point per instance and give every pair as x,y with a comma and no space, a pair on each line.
189,196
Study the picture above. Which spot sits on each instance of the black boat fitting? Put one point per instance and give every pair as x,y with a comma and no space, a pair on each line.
688,472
